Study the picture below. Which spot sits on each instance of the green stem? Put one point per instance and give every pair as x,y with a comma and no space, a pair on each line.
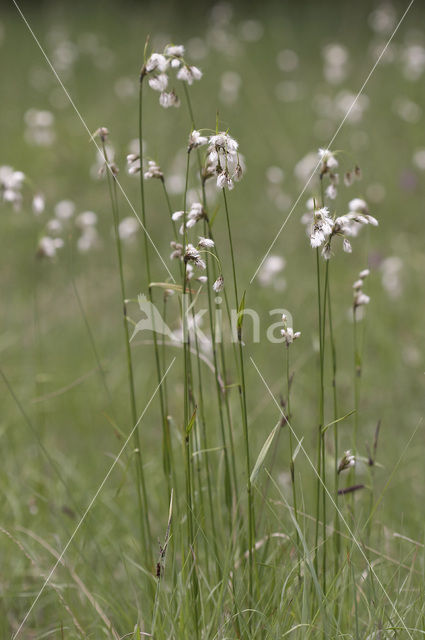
198,460
186,373
167,452
324,516
228,488
319,431
291,453
357,377
337,539
222,394
251,519
140,484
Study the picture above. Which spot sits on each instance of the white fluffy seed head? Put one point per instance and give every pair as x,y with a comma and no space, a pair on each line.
159,83
157,61
174,50
218,284
205,243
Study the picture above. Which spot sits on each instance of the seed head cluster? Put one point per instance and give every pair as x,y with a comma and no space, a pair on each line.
157,68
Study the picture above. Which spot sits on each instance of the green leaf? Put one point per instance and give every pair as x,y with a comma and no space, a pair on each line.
240,315
212,218
263,453
167,285
326,427
191,422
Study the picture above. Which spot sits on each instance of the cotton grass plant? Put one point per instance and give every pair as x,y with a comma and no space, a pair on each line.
236,555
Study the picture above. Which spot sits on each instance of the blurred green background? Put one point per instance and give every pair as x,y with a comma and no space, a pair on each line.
281,77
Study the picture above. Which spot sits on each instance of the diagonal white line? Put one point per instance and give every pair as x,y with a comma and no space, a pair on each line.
358,545
83,122
91,503
332,140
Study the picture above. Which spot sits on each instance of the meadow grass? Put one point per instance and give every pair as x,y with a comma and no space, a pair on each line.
218,520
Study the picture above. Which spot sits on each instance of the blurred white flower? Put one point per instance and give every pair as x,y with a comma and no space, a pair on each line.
331,191
346,245
287,60
289,91
230,84
419,159
407,110
383,18
271,267
413,61
197,48
177,252
128,227
274,175
360,298
88,240
39,129
11,183
305,167
38,203
335,58
86,219
251,30
47,246
350,106
54,226
64,209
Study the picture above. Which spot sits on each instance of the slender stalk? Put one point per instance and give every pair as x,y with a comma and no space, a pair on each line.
357,379
202,420
321,419
166,438
187,377
140,484
220,395
291,453
242,391
324,517
337,539
201,403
